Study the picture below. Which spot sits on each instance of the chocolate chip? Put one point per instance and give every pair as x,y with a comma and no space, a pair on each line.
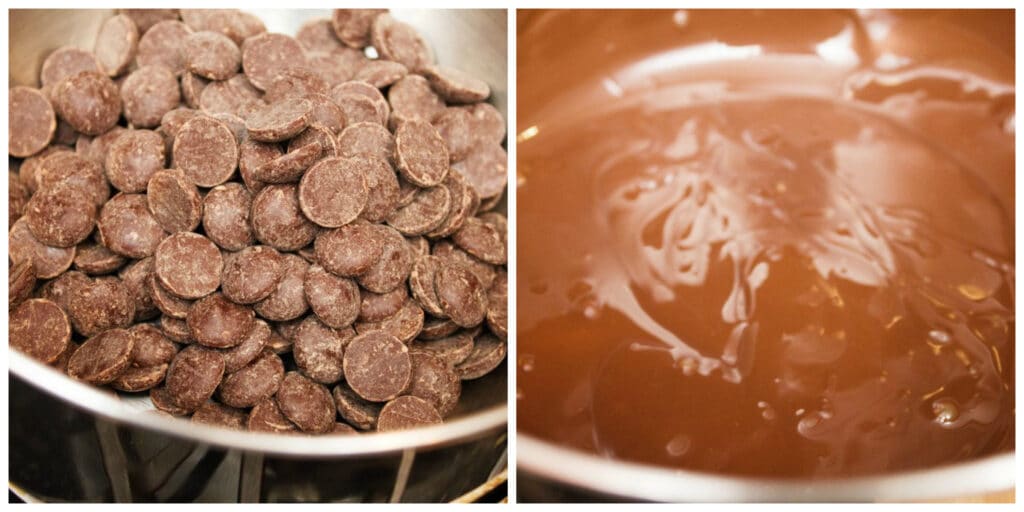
65,62
421,283
366,140
39,328
378,306
333,192
146,18
404,324
460,294
21,282
337,66
343,429
148,93
32,121
407,412
412,98
100,304
226,214
452,349
168,303
279,121
497,306
88,101
235,24
455,86
235,95
206,150
464,201
288,167
95,259
176,329
174,201
437,328
306,403
352,26
267,55
394,264
252,346
252,274
318,35
435,381
75,171
193,376
47,262
58,217
128,228
295,82
254,383
277,220
360,413
164,44
150,346
211,55
485,168
335,300
358,108
288,301
213,413
377,366
488,353
318,137
350,250
134,158
427,211
485,272
64,288
162,401
192,87
116,44
420,153
399,42
319,350
266,416
135,277
140,378
481,240
380,73
102,358
216,322
188,265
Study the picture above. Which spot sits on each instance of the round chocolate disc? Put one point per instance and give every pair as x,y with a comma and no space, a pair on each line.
188,265
40,328
377,366
102,358
306,403
406,412
216,322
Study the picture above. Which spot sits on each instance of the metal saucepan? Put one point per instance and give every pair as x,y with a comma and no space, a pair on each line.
549,472
69,441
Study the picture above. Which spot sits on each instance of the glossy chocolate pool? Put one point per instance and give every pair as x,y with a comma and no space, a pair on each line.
772,244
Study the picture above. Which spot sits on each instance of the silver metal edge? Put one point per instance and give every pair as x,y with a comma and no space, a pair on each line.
105,404
647,482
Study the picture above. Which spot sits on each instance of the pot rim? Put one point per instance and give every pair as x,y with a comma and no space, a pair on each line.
111,407
630,480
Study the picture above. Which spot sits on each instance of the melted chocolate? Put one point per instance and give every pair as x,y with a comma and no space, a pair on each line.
751,249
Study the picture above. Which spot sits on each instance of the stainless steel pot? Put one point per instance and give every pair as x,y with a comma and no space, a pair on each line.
543,477
550,472
72,442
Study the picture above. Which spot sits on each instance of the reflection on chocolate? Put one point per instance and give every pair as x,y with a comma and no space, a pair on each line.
751,248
